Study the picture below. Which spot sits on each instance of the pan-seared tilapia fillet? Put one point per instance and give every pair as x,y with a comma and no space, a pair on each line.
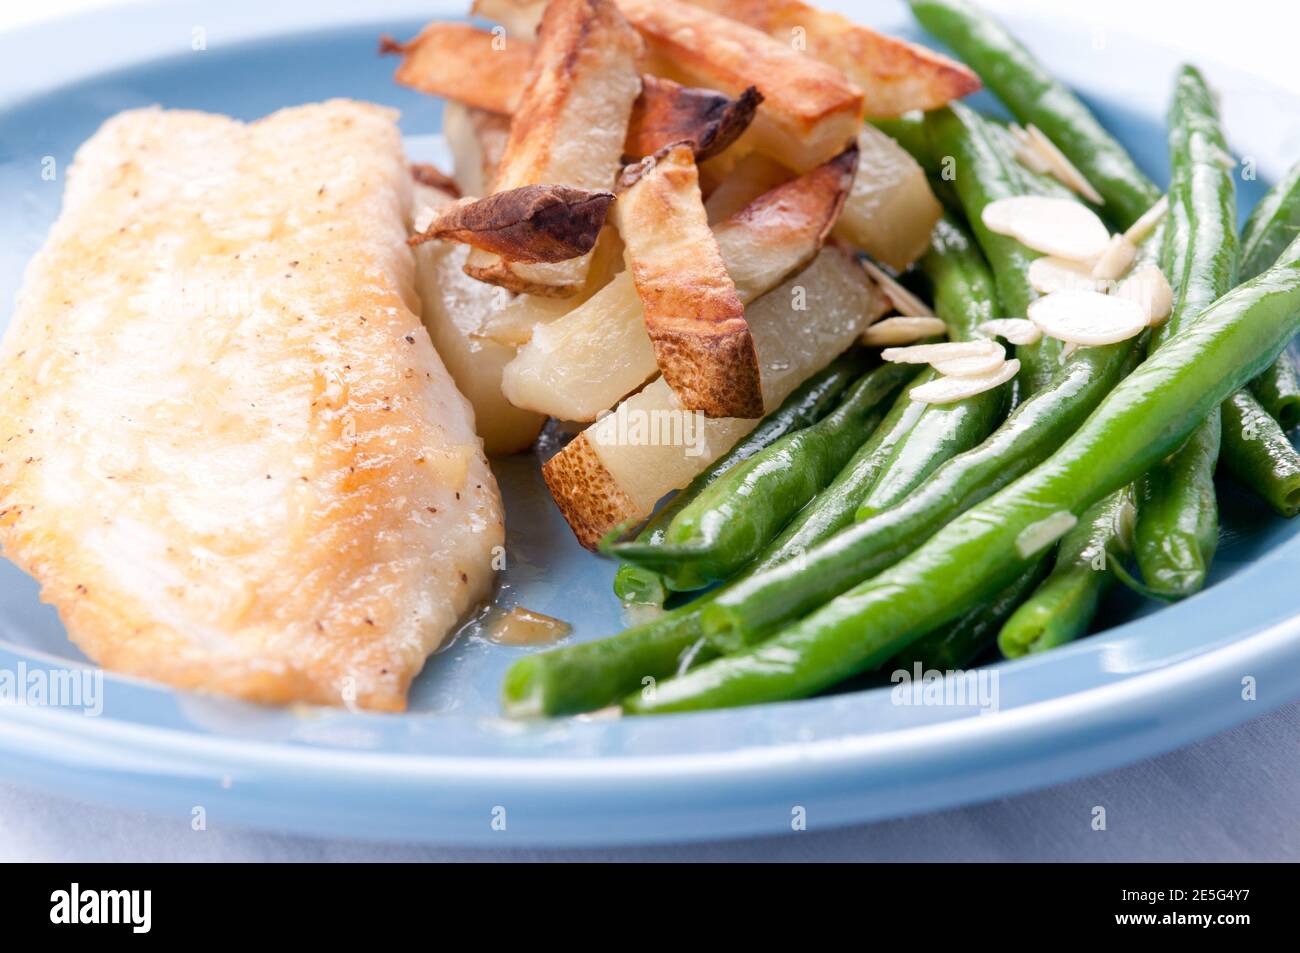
228,451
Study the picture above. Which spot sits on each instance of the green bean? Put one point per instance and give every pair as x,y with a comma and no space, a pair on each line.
984,173
738,514
1178,526
752,607
962,642
1264,460
1151,412
1273,223
1062,608
591,675
1035,96
810,402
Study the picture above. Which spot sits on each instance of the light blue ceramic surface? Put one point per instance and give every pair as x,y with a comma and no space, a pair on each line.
1150,682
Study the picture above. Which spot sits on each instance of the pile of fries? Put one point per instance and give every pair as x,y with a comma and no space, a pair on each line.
655,219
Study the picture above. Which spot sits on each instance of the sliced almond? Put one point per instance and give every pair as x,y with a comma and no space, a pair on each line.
1049,273
1118,258
1069,348
948,390
947,351
1027,152
1015,330
1149,289
905,303
1087,317
976,366
893,331
1053,226
1144,226
1061,168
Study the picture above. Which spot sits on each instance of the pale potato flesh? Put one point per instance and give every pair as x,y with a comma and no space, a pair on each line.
891,210
477,140
792,344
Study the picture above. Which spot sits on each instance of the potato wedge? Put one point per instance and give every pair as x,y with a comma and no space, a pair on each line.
514,322
693,315
668,112
749,178
809,111
530,224
454,308
477,139
895,76
464,63
426,173
583,363
520,17
891,210
569,127
619,467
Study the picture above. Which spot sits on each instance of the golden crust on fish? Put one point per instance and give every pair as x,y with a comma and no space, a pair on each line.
228,450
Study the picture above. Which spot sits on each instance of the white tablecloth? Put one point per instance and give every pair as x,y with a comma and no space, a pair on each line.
1233,797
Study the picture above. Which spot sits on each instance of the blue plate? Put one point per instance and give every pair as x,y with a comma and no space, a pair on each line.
451,770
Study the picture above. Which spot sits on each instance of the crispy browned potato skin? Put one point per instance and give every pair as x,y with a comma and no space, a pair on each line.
895,76
426,173
810,109
531,224
693,315
669,112
461,62
588,496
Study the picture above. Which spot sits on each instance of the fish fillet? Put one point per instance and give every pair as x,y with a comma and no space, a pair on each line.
228,450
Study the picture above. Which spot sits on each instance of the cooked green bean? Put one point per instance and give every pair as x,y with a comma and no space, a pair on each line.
1263,460
961,643
1273,223
809,403
1035,96
1062,608
1151,412
984,174
752,607
733,518
1178,525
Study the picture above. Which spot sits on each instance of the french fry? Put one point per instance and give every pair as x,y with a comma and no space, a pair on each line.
461,62
519,17
426,173
890,211
477,139
454,308
749,178
581,364
895,76
665,112
668,112
569,126
809,111
530,224
618,468
514,322
693,316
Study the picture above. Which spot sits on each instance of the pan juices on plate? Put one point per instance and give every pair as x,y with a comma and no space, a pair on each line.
228,450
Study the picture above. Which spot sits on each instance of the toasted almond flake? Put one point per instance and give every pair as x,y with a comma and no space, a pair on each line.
893,331
1036,537
1049,273
1027,152
948,390
1149,289
1015,330
1053,226
1116,259
1061,168
905,303
1087,317
947,351
1137,232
